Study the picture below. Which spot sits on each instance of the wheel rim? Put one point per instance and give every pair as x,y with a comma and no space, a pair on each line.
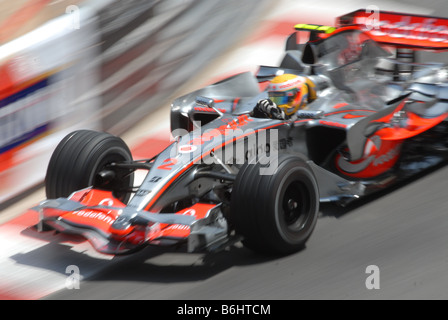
295,206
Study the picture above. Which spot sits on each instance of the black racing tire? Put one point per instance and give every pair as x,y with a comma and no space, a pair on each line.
275,214
79,157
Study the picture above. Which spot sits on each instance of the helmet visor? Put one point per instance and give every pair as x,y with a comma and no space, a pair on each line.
283,97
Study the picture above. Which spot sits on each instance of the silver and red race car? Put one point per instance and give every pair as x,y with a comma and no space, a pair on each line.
379,117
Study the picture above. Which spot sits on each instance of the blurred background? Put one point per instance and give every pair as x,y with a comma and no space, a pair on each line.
98,64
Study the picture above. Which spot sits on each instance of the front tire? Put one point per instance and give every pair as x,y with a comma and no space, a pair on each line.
275,214
78,159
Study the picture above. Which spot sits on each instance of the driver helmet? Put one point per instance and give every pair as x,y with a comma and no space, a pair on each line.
290,92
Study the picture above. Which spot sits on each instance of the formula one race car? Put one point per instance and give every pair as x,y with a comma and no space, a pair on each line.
376,117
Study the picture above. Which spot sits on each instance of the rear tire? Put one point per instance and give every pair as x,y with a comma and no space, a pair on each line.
79,157
275,214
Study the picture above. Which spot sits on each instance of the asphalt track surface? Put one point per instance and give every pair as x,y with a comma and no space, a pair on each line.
402,231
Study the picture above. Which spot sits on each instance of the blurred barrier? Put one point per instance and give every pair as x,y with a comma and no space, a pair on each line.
104,64
41,74
154,49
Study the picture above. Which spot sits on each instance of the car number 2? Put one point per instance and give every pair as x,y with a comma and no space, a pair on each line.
168,164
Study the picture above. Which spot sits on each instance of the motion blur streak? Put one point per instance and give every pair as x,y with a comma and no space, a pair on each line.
119,62
20,17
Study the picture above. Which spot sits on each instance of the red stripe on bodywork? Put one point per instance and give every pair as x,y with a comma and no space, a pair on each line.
340,105
353,116
333,124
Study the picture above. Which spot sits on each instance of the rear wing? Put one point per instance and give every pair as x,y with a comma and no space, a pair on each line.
400,30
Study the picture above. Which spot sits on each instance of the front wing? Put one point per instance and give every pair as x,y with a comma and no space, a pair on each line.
113,228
